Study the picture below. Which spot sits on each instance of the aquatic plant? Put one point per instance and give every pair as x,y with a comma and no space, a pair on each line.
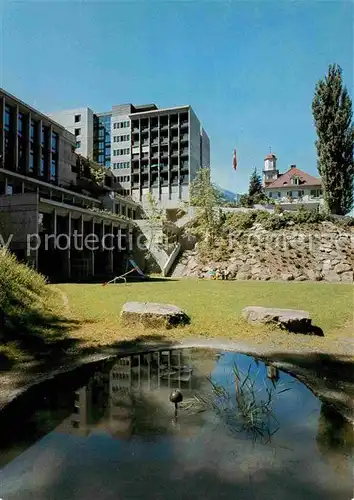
249,408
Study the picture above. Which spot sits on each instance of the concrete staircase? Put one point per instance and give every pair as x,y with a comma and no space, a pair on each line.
154,235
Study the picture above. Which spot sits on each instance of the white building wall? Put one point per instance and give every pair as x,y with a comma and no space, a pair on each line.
308,196
66,118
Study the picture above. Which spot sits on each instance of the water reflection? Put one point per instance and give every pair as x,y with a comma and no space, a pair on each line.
112,434
131,397
244,405
335,439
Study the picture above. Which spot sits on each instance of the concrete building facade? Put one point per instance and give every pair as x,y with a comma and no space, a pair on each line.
45,191
148,149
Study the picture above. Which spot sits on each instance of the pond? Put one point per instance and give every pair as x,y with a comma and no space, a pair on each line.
244,430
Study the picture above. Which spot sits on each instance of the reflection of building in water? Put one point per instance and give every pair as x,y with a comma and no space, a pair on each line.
132,376
112,404
272,372
150,371
90,403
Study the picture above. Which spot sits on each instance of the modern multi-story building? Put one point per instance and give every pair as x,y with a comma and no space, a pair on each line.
148,149
45,190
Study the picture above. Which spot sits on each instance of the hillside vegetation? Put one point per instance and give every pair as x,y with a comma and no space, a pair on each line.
29,320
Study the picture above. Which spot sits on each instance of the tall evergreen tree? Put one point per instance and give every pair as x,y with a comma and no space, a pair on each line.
255,187
332,112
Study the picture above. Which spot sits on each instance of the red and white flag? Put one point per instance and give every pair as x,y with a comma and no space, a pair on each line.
234,160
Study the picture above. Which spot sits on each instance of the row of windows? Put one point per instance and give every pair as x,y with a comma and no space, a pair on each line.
118,152
120,125
313,192
121,164
121,138
124,192
20,129
123,178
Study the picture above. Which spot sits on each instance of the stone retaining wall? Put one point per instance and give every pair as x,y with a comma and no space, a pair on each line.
324,254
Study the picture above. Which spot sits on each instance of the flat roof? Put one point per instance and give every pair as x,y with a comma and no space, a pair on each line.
31,109
161,110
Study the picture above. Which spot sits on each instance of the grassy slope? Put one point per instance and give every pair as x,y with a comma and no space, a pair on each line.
215,309
31,324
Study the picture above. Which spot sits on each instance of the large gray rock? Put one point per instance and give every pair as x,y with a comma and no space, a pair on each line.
289,319
152,315
347,276
286,276
331,276
342,267
243,275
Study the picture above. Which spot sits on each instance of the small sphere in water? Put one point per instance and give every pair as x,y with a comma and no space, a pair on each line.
176,396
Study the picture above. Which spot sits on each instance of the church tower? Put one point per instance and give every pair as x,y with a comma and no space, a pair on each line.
270,172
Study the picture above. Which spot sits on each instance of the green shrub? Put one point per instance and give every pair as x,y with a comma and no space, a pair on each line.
241,220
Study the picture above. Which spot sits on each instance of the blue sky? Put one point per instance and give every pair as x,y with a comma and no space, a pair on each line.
248,68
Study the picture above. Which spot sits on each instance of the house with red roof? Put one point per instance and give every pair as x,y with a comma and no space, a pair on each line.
293,187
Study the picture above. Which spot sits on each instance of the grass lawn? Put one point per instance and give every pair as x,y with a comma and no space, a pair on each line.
215,310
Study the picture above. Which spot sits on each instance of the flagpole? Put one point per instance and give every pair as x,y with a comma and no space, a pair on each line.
234,164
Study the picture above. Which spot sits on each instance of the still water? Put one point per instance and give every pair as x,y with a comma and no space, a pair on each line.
244,430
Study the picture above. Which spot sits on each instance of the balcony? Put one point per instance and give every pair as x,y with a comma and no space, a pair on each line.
174,125
184,165
174,139
184,152
163,168
184,123
164,154
154,156
135,130
184,138
175,153
164,126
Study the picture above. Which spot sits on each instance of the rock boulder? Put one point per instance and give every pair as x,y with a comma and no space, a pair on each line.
289,319
153,315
